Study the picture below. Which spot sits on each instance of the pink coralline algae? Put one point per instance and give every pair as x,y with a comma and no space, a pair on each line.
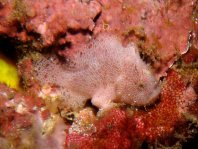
49,19
24,122
110,133
163,119
160,28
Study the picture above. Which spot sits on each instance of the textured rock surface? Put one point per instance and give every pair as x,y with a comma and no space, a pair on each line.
160,28
45,22
25,124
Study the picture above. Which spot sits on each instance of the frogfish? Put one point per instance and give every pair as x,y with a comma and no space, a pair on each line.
103,71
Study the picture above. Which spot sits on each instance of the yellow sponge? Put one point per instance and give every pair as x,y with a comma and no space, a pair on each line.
8,74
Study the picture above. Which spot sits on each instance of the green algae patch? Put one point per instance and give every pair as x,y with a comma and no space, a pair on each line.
8,74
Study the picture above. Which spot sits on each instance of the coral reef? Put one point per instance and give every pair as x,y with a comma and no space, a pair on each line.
129,128
160,28
99,74
110,132
46,22
25,124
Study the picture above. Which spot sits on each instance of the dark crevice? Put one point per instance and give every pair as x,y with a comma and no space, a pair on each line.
19,26
61,35
33,34
89,104
7,49
97,17
83,31
191,144
62,47
144,145
146,58
149,107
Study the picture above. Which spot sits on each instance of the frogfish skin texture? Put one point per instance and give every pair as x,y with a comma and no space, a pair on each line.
104,71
